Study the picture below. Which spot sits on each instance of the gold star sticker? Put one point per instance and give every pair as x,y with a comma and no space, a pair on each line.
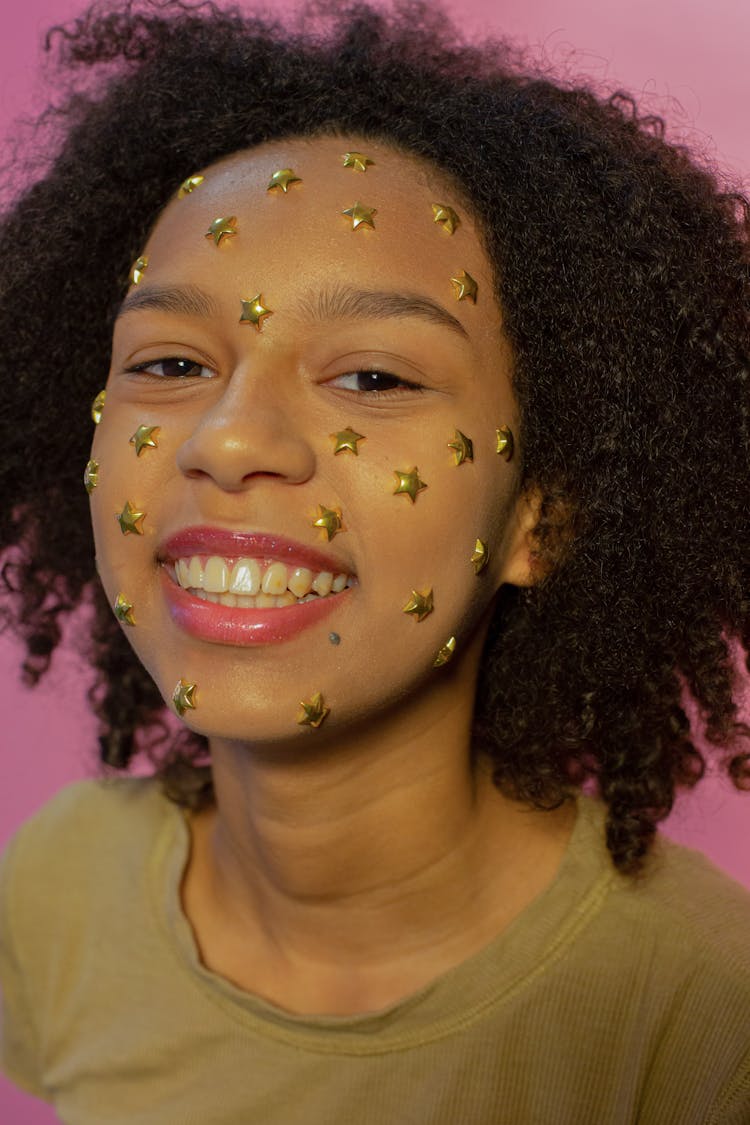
183,697
130,520
465,287
347,440
504,442
329,520
445,653
313,711
480,556
254,311
361,215
124,610
91,476
463,448
221,228
189,185
409,483
445,216
419,605
356,160
140,265
144,438
283,178
97,406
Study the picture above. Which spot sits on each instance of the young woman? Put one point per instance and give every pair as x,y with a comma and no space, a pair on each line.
419,495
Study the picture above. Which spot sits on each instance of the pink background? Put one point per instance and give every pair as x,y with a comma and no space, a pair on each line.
689,57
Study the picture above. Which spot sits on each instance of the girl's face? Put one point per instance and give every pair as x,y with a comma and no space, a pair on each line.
267,552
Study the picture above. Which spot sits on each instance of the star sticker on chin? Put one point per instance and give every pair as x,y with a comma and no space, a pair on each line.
221,228
357,160
123,610
313,711
419,605
144,438
183,697
130,520
465,287
254,311
329,520
361,215
282,179
409,483
347,440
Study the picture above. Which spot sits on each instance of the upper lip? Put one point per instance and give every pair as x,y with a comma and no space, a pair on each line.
260,545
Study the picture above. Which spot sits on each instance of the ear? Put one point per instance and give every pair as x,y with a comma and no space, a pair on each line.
521,566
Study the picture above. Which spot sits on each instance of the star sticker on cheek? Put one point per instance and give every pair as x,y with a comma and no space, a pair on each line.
465,287
124,610
445,653
361,215
189,185
97,407
183,697
130,520
254,311
419,605
347,440
445,216
357,160
480,556
221,228
282,179
91,476
140,265
504,444
313,711
144,438
463,448
409,483
329,520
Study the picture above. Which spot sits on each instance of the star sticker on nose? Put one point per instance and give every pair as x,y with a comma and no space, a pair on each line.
221,228
480,556
465,287
124,610
445,216
254,311
357,160
419,605
463,448
144,438
183,697
140,265
346,440
282,179
361,215
313,711
130,520
189,185
409,483
329,520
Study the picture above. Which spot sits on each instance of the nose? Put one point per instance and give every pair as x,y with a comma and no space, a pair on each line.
249,432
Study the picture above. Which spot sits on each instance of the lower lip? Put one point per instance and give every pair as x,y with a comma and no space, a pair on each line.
227,625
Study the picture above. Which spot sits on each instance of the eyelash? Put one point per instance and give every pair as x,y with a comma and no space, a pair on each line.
381,392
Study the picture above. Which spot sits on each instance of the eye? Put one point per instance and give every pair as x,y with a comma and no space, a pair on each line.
173,367
372,381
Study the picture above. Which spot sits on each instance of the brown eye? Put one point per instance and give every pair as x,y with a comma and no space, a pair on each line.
369,381
173,367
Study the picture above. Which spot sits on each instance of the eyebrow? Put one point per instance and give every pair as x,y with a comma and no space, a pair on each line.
186,300
371,304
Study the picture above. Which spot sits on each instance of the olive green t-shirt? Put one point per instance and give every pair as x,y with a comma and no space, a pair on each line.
608,1001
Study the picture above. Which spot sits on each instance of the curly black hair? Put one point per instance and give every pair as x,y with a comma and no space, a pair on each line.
621,266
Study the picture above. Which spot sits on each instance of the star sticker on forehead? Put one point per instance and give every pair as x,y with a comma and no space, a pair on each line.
465,287
313,711
445,216
419,605
282,179
357,160
254,311
347,440
183,697
124,610
409,483
140,265
361,215
188,186
463,448
329,520
221,228
144,438
130,520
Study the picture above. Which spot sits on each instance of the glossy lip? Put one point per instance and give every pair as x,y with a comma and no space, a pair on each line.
227,544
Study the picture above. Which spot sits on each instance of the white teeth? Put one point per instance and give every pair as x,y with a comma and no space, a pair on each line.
322,583
300,582
195,573
245,578
274,580
215,577
339,583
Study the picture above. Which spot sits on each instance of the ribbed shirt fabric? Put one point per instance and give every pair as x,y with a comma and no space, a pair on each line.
609,1001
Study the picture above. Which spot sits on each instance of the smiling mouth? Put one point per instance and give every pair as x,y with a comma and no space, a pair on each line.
248,583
